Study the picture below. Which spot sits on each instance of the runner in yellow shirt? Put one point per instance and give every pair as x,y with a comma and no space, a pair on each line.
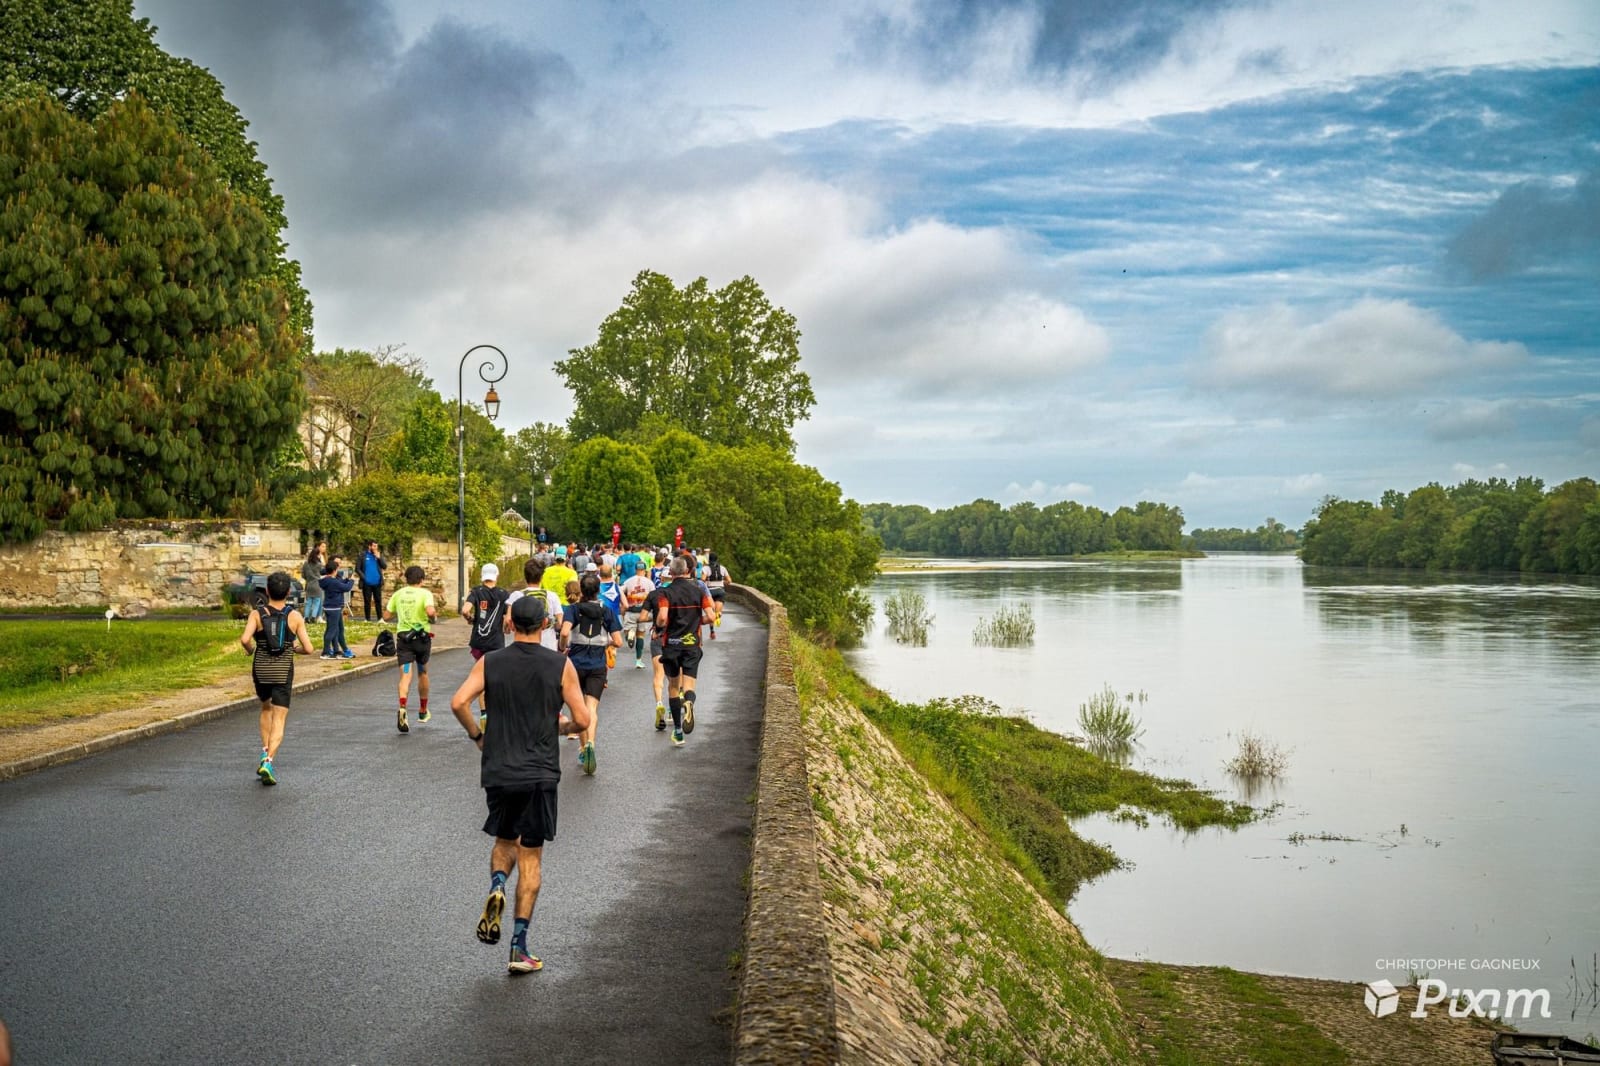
412,611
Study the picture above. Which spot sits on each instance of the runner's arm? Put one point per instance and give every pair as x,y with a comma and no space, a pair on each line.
578,716
433,609
467,607
461,702
250,628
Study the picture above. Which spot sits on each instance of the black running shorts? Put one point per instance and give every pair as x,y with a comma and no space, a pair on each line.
414,651
276,693
681,659
524,815
593,682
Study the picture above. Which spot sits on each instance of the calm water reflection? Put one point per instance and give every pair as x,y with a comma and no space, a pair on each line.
1467,712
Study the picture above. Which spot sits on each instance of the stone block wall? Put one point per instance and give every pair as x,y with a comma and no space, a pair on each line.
165,564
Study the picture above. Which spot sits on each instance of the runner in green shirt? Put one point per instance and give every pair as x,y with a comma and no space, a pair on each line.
412,611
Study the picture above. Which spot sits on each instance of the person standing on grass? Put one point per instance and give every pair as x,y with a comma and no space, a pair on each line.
372,565
485,613
336,584
590,634
273,635
310,577
412,611
679,613
521,765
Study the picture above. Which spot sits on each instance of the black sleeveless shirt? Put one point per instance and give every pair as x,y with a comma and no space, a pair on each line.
521,747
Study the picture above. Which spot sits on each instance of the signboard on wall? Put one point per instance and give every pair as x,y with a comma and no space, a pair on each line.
250,540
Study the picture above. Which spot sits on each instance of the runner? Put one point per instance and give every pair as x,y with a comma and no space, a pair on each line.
716,578
532,574
336,584
679,612
485,612
283,635
590,634
658,677
557,574
521,765
635,621
412,611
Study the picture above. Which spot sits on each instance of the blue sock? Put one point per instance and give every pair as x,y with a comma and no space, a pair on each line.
497,880
519,939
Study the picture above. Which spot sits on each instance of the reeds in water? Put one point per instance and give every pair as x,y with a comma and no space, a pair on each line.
1108,724
1011,627
909,620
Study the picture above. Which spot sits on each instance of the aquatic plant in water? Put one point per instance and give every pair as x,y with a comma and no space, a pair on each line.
1108,723
909,620
1257,758
1011,627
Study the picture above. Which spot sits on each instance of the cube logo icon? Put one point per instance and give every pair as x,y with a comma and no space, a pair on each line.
1382,998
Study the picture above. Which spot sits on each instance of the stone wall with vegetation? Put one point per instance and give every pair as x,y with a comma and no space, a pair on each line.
171,564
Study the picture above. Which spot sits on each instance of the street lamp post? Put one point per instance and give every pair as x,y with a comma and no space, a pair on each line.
491,408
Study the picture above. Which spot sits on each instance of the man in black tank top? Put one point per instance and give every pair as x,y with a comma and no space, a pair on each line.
273,636
528,684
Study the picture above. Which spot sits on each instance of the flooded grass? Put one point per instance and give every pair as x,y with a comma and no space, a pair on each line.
1109,725
1257,759
1020,783
909,620
1011,627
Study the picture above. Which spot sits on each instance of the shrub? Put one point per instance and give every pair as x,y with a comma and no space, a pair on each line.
1011,627
907,612
1108,723
1257,758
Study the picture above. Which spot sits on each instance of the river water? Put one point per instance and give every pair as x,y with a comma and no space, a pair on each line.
1449,728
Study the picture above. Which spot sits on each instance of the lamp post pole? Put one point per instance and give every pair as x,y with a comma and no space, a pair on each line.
491,408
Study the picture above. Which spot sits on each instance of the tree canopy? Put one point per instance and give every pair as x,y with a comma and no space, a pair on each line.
393,509
368,394
89,54
1476,526
722,365
603,481
149,366
984,528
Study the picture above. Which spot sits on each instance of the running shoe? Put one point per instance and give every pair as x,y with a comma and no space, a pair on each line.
329,655
586,757
489,924
677,738
688,716
349,654
423,715
400,721
264,771
522,962
661,717
638,664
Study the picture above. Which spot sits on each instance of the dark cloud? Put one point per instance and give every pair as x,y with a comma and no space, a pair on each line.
1098,43
360,126
1531,224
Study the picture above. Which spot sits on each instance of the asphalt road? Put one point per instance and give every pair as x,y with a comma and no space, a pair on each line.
159,905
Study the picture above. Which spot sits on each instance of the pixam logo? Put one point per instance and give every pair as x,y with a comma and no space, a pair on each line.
1383,999
1511,1003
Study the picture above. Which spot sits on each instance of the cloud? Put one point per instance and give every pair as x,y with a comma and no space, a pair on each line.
1372,349
1096,43
1464,471
1530,224
1472,420
1038,492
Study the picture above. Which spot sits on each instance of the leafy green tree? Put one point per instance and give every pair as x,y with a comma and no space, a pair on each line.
535,452
426,441
89,54
1429,514
367,395
671,456
393,509
785,529
603,481
148,364
723,365
1548,538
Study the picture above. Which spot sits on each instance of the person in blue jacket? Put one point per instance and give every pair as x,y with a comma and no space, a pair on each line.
371,573
336,585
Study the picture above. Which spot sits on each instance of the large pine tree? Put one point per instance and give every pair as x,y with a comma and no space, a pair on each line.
149,353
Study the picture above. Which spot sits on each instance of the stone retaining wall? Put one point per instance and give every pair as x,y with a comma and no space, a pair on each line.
786,1011
164,564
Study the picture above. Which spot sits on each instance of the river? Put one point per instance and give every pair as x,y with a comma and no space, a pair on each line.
1447,730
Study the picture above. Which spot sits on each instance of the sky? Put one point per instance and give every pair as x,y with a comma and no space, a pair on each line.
1230,255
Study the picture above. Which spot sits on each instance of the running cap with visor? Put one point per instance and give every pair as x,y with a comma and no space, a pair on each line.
528,611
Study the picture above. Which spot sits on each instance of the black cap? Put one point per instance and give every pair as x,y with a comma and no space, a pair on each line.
528,611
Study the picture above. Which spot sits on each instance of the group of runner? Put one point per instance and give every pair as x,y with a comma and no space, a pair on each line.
566,624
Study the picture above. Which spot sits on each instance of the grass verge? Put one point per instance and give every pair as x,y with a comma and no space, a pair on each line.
1018,782
53,670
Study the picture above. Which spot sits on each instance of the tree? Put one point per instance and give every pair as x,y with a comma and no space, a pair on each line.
148,362
785,529
723,365
392,509
426,441
672,455
89,54
603,481
367,394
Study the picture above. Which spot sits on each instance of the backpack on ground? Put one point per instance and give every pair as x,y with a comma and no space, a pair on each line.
385,644
274,630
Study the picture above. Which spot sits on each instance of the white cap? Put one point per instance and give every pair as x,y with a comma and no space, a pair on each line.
591,568
491,572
